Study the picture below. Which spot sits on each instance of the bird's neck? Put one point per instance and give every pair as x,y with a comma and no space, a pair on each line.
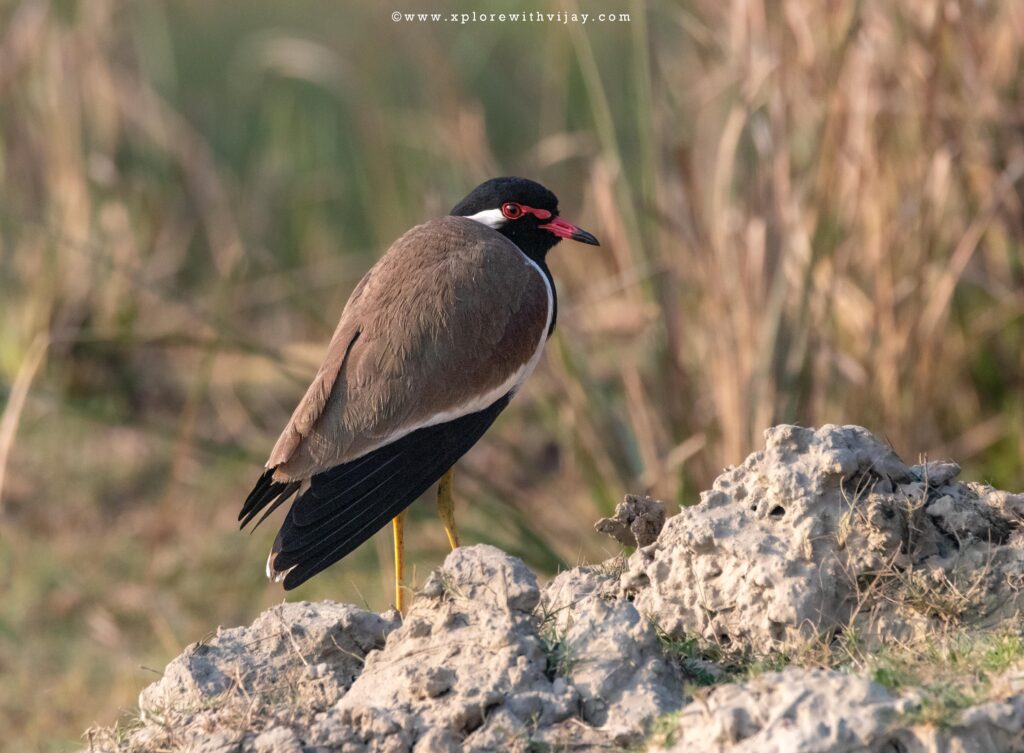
538,255
535,244
554,294
535,247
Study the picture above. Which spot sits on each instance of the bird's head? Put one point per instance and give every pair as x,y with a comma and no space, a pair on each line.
523,211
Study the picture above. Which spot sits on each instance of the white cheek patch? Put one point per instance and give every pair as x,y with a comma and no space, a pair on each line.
493,218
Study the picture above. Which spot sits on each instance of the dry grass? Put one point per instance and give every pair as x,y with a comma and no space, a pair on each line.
809,212
942,674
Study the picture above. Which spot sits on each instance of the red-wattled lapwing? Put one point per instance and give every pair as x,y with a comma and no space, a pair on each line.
433,343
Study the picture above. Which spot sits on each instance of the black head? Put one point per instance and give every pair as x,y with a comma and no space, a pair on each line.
524,212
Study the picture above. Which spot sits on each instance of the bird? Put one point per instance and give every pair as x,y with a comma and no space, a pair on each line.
433,343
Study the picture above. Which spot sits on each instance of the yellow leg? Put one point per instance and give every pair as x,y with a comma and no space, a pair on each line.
398,532
446,507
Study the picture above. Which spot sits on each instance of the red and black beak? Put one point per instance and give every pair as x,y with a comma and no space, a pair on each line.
565,229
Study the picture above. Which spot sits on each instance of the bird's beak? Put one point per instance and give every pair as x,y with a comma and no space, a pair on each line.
565,229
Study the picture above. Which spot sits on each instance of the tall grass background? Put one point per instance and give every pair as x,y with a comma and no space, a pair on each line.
809,212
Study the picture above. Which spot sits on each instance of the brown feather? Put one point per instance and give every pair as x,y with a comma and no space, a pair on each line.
450,312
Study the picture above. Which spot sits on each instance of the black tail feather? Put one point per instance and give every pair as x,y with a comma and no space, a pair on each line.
266,492
283,497
346,505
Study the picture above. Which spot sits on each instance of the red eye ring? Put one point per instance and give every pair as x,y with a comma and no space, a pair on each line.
511,210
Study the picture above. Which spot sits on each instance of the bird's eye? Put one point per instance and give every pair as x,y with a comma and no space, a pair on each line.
511,210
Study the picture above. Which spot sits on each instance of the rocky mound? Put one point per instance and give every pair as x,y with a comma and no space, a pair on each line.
823,596
825,531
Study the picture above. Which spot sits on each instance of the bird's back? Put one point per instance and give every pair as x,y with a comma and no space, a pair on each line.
452,312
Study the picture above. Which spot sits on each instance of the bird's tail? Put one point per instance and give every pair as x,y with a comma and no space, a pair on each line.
266,492
346,505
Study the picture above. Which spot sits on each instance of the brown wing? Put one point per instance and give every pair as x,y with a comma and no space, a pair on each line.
451,313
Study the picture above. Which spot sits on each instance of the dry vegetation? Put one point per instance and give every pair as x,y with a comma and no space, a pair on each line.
945,670
809,212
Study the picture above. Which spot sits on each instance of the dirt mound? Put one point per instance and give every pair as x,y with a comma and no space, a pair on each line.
823,711
828,530
830,597
474,666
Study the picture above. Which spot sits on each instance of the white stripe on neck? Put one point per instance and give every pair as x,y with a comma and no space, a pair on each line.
493,218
